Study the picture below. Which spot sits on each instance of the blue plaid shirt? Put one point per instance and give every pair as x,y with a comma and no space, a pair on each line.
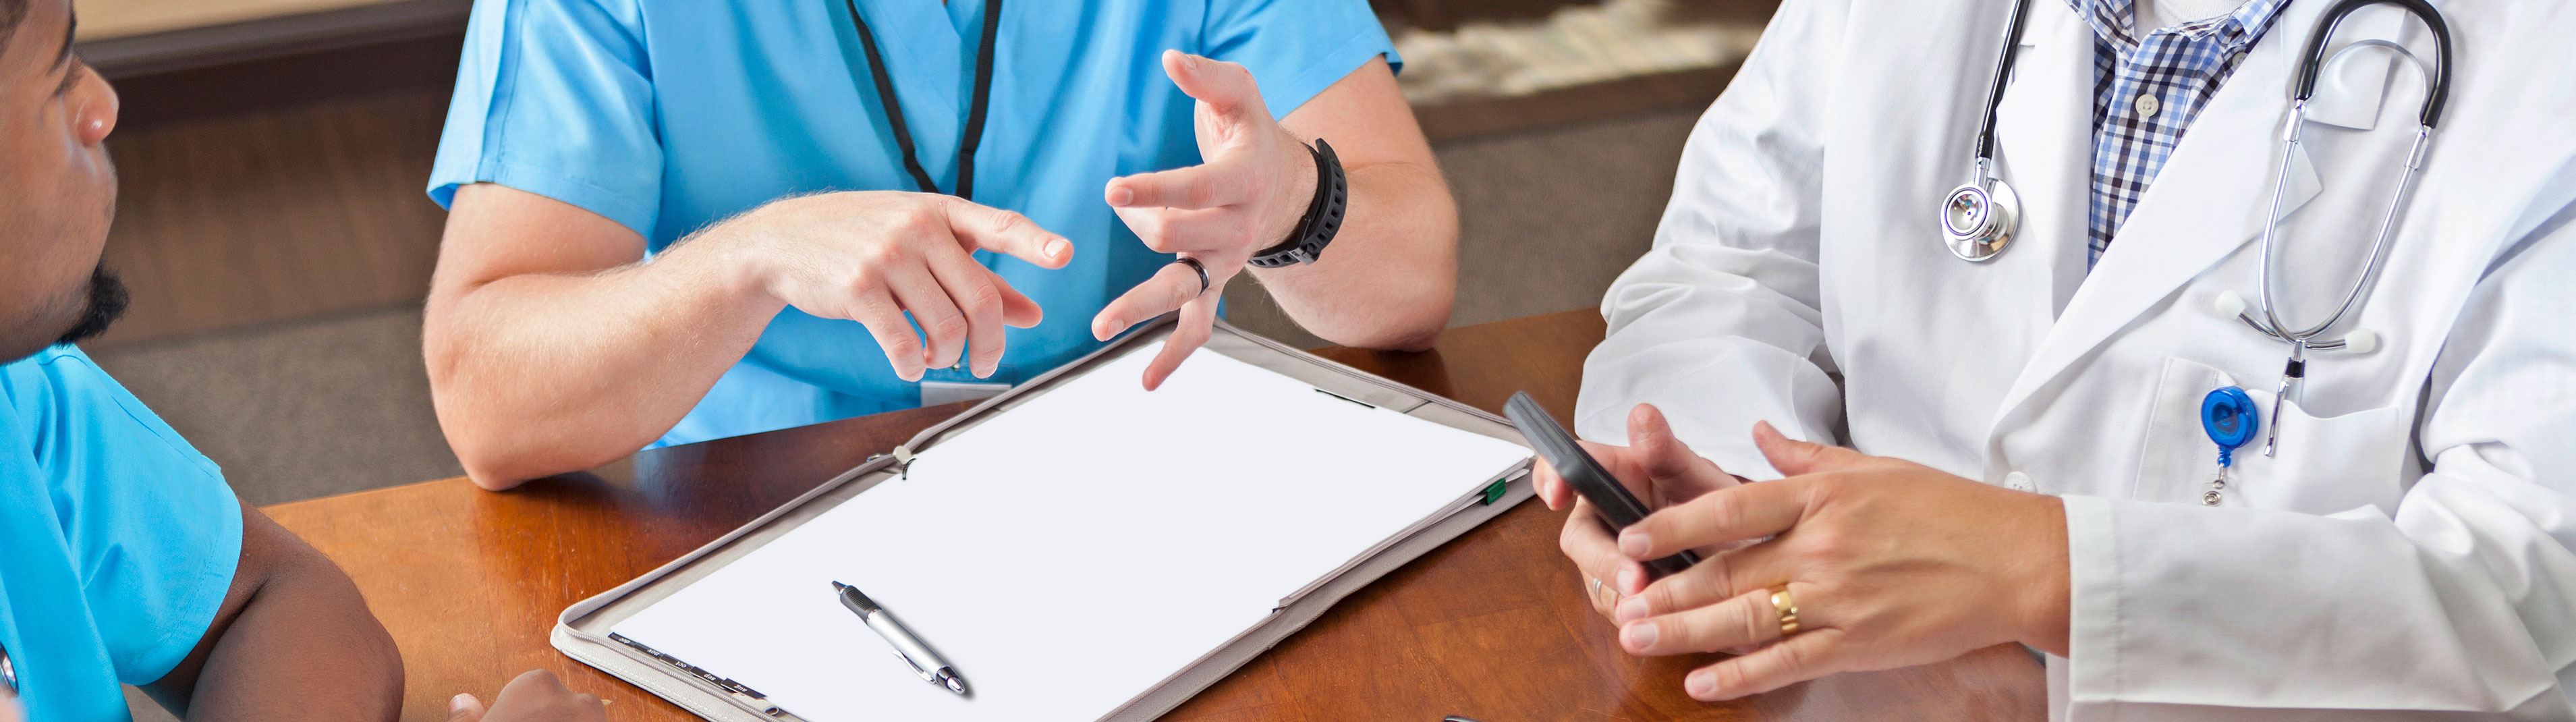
2147,90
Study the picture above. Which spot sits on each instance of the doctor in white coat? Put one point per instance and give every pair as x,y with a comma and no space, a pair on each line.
2023,457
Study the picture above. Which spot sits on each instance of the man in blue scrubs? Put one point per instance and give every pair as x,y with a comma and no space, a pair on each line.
124,558
676,220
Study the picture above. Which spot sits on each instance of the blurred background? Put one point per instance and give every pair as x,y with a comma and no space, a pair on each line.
275,232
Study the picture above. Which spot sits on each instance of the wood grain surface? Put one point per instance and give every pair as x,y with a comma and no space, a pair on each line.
1492,626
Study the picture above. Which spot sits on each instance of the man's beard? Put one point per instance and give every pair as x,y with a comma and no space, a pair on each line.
106,303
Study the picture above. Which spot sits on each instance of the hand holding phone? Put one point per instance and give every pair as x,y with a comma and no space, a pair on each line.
1609,498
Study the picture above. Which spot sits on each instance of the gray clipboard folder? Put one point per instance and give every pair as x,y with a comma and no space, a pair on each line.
583,630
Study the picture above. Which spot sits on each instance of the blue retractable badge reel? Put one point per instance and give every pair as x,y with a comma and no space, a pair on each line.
2228,415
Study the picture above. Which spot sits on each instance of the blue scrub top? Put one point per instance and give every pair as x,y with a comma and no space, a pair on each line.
669,115
117,539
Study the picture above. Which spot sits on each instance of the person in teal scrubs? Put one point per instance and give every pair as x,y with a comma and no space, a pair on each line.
124,557
677,220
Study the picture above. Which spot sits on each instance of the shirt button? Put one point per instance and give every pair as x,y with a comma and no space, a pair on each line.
2237,58
2148,105
2018,481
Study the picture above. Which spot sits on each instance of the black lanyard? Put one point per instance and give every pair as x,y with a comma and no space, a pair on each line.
974,135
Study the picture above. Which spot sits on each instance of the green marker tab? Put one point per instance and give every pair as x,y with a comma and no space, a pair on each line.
1495,493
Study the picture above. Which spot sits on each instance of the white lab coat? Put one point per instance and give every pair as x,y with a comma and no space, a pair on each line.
2408,549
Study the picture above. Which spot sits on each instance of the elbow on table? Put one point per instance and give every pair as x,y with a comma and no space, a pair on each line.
498,456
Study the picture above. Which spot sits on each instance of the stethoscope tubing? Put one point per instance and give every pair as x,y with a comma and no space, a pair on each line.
2272,324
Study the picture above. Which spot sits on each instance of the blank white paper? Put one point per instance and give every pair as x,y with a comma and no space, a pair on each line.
1073,552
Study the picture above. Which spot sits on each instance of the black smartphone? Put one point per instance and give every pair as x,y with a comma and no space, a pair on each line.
1617,507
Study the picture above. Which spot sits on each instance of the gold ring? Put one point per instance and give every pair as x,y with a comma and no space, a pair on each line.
1787,608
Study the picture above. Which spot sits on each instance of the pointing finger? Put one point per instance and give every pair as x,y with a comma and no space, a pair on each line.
1000,231
1226,88
1727,515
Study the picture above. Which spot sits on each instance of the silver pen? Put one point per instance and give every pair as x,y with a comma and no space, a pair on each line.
906,646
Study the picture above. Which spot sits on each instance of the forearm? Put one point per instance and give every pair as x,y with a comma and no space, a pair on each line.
1391,274
543,373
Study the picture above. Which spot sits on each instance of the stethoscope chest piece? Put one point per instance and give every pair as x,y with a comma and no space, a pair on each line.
1978,219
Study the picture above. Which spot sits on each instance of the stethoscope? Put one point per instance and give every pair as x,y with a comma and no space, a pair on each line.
967,142
1979,218
2304,339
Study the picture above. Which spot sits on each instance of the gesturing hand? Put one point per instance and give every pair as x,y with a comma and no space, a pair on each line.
1254,185
874,256
536,696
1890,564
1658,469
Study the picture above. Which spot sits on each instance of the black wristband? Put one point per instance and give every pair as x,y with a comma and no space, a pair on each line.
1323,215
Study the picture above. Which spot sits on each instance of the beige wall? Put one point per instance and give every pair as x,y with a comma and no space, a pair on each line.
102,19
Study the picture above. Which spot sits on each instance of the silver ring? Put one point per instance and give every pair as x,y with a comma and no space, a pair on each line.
1596,585
1196,266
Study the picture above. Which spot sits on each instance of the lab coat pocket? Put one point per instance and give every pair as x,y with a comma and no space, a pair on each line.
2326,465
2322,466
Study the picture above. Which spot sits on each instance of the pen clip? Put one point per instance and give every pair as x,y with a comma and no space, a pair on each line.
926,675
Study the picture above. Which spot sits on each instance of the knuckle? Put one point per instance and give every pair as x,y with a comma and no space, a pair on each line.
1720,576
1009,222
948,324
1823,550
880,256
982,299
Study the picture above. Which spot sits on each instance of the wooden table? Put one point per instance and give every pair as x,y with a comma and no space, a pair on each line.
1492,626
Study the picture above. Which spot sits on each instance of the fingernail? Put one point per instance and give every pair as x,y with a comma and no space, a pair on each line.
457,703
1635,543
1632,609
1639,635
1628,581
1057,248
1701,684
1121,196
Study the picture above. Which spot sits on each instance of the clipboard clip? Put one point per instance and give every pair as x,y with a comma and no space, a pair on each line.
742,694
902,460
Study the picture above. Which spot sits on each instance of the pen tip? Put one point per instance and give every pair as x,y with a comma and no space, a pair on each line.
837,586
956,685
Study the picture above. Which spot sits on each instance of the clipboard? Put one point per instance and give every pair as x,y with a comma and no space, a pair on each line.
584,630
